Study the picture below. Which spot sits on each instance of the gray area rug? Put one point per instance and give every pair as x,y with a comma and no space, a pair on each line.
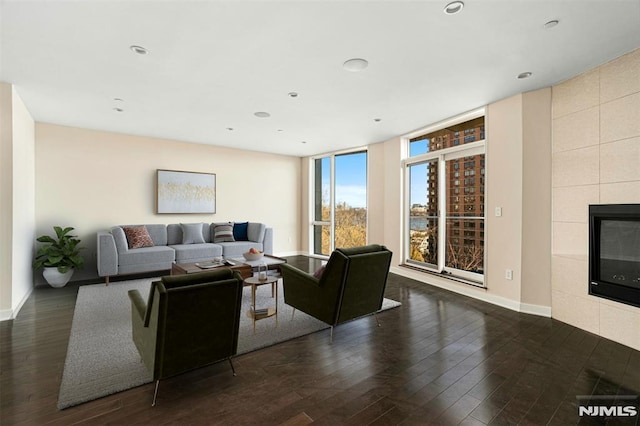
102,358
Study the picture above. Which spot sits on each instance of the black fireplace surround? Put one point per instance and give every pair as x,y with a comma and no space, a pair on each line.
614,252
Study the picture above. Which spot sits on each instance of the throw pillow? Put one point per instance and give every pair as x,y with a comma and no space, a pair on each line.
223,233
240,231
192,233
318,273
137,236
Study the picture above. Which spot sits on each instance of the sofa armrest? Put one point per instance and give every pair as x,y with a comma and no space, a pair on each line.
267,243
107,255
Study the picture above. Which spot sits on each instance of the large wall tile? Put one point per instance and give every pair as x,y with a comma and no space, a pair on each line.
620,77
570,203
582,312
577,130
570,239
620,161
620,325
619,193
577,94
620,119
570,275
576,167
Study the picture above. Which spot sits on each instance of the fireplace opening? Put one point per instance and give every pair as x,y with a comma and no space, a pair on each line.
614,252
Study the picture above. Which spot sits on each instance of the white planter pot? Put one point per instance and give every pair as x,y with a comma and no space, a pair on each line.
55,278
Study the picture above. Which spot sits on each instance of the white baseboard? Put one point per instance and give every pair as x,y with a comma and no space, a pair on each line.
5,315
9,314
471,291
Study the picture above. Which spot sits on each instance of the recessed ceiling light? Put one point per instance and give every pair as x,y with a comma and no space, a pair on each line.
262,114
454,7
118,109
280,130
303,142
118,99
139,50
230,129
355,64
293,95
377,120
525,75
551,24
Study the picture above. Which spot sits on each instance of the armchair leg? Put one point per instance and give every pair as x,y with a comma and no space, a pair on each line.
375,314
155,393
232,369
292,313
331,336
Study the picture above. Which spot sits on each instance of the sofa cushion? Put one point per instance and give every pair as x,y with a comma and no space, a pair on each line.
192,233
137,237
222,232
236,248
240,231
155,254
186,253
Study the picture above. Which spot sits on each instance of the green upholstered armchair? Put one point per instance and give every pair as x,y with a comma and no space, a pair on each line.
352,285
189,321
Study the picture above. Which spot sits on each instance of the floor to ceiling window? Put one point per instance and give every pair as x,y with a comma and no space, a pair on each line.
339,202
445,185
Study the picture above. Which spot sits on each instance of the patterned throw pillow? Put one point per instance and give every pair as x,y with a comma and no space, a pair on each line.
138,236
223,233
318,273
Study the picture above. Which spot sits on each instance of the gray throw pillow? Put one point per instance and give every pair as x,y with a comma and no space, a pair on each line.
192,233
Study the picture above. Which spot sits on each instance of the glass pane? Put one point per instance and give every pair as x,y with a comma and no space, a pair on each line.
351,200
465,213
459,134
322,194
322,239
465,244
423,220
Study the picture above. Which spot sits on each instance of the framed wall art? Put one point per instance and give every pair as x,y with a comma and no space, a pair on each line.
185,192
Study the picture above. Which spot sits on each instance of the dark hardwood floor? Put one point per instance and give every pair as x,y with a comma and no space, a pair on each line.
441,358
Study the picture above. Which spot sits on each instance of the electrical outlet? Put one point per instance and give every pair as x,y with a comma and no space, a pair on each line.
508,274
498,211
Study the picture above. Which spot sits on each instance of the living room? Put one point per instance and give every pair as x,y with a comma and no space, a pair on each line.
552,151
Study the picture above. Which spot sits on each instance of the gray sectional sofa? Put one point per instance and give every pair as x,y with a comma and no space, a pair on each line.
170,244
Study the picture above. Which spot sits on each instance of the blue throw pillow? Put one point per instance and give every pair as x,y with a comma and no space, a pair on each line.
240,231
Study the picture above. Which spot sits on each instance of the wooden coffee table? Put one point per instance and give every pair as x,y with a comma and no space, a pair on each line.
193,268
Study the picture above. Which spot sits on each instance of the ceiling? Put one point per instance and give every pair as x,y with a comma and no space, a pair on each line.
212,64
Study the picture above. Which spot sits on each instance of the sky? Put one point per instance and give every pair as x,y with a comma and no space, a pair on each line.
351,179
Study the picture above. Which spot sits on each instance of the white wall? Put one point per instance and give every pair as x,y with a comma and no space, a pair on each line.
6,200
596,152
17,199
92,180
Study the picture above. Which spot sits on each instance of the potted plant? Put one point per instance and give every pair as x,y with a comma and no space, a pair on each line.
59,257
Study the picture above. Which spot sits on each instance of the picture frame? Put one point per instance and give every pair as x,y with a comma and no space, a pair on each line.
185,192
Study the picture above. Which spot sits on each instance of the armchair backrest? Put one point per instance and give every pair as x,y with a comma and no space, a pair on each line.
357,278
197,318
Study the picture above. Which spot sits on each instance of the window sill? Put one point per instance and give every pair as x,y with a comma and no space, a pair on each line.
444,275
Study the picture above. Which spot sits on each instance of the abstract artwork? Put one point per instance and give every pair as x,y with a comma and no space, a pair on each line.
186,192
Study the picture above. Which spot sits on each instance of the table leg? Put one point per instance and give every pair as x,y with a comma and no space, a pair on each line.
253,304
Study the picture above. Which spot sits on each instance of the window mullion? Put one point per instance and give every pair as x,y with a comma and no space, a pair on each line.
442,212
